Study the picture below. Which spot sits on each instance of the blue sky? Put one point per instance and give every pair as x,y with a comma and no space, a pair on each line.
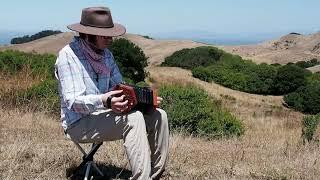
152,17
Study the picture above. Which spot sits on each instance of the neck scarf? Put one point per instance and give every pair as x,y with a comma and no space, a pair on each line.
95,59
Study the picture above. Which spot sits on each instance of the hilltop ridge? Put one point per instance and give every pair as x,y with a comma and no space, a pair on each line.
50,44
292,47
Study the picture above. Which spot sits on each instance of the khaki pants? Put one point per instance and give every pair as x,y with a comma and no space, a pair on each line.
146,137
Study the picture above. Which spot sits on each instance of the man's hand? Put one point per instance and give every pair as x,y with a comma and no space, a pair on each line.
117,103
159,99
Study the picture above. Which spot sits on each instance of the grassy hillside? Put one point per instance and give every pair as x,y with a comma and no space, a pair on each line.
33,146
299,85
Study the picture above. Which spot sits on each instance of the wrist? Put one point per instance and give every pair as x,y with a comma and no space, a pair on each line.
107,103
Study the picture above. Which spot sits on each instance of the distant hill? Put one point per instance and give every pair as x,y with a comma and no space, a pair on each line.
50,44
289,48
155,49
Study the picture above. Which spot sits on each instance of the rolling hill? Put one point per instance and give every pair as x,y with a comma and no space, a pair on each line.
297,46
289,48
33,145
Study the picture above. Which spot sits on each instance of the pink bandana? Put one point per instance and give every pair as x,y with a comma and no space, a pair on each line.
96,60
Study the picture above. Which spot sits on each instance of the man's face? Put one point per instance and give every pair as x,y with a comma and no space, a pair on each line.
103,42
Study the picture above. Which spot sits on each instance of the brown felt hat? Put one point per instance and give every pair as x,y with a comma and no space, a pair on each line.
97,21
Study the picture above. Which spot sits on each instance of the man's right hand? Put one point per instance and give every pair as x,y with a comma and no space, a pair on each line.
117,103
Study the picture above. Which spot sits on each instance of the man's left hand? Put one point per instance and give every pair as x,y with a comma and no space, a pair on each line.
159,99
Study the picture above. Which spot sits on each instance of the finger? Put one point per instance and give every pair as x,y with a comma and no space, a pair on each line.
118,99
116,92
122,109
121,104
116,110
159,98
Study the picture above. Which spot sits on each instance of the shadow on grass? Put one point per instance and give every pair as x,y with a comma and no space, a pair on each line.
109,171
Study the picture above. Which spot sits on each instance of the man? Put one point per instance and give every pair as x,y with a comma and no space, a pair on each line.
91,111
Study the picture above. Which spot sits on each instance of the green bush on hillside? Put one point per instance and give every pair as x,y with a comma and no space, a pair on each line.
191,109
314,78
305,99
289,78
45,95
130,59
27,38
211,64
40,65
307,64
236,73
41,96
190,58
309,127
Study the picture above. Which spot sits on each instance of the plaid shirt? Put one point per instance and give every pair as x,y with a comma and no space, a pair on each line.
80,88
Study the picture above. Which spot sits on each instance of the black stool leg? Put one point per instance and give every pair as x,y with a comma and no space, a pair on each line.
89,157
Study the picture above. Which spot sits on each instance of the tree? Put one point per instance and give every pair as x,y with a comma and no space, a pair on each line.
130,59
305,99
289,78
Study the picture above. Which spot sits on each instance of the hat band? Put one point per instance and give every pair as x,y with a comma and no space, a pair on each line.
97,26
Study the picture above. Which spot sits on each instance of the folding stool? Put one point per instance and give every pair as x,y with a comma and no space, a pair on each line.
87,159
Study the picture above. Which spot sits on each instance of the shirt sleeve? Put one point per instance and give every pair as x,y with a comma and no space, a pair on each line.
72,87
115,75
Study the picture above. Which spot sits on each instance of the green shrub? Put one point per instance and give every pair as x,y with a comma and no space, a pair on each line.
295,100
44,94
309,127
202,73
40,65
211,64
305,99
307,64
289,78
314,78
191,109
236,73
191,58
130,59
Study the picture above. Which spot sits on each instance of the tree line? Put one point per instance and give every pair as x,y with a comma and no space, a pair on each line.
27,38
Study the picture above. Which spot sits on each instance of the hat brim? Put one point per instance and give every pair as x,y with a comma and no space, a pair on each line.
116,30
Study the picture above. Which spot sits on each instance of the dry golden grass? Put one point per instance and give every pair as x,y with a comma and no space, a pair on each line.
33,145
20,80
